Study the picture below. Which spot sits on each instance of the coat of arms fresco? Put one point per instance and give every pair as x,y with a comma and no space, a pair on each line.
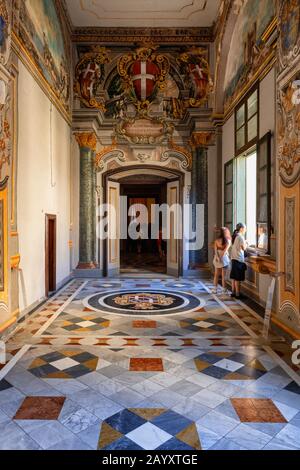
143,86
195,67
89,74
143,73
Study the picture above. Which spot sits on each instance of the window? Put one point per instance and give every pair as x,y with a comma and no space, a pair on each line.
246,122
245,194
248,177
228,195
264,193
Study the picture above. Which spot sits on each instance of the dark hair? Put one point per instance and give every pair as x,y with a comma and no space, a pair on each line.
237,231
222,236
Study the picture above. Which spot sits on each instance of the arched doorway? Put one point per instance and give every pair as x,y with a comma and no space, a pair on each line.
156,251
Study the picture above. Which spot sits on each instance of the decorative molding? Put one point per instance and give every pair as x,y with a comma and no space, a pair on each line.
144,130
109,152
261,264
143,157
4,244
290,314
5,141
140,35
217,120
86,140
103,152
290,252
175,150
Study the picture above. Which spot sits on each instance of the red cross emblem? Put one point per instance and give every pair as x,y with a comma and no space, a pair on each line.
144,75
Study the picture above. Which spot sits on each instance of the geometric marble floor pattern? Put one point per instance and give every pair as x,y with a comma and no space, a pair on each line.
79,378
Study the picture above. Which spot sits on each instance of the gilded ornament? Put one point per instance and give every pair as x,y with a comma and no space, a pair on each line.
15,261
202,139
4,146
86,139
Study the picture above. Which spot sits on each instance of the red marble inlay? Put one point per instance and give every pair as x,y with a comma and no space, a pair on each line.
257,410
40,408
144,324
143,364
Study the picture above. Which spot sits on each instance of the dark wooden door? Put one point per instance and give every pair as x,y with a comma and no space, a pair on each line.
50,252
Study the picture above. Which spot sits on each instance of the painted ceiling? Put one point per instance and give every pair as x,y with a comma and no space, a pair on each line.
143,13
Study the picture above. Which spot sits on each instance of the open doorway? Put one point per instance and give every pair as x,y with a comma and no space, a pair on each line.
143,255
146,185
50,254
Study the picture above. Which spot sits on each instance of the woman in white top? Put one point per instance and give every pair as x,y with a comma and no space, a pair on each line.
221,259
238,265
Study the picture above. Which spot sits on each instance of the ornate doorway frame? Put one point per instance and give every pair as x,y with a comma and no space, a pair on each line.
171,175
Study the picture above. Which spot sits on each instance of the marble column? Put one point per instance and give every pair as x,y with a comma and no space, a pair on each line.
87,224
199,195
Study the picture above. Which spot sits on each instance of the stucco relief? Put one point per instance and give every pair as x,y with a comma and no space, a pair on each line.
290,314
289,133
5,148
290,207
5,90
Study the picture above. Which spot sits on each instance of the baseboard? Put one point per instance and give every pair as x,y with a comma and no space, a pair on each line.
88,273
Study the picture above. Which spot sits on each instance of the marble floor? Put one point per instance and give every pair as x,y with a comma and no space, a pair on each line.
147,364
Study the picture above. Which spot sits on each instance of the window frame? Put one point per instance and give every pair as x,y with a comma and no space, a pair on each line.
265,139
244,102
251,146
232,182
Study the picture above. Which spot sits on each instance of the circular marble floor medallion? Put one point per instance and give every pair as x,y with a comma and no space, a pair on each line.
139,302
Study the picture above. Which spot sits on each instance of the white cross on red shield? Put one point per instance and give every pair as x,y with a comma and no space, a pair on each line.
144,75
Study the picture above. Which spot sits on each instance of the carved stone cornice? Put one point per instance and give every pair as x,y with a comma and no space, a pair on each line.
202,139
87,140
217,120
139,35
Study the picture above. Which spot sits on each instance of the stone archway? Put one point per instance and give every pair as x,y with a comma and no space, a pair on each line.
175,183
